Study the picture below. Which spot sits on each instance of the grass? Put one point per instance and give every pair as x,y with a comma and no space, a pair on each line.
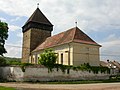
6,88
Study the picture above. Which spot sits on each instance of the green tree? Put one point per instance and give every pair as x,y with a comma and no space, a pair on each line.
48,59
3,37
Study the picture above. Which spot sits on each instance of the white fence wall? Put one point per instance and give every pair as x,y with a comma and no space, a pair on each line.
41,74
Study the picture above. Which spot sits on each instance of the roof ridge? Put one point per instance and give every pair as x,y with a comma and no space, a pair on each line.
74,33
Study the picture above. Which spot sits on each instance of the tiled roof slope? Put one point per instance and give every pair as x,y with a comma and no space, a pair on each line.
38,17
103,64
71,35
116,64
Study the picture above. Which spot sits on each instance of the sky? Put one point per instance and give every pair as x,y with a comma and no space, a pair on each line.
100,19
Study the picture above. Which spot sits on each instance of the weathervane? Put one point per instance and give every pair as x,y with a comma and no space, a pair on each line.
76,23
37,5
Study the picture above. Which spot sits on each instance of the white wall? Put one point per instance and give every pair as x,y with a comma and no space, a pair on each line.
60,49
75,54
41,74
11,73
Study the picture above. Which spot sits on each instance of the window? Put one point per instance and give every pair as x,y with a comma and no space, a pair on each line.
33,60
61,58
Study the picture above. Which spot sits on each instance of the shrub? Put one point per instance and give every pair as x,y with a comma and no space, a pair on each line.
48,59
13,61
2,61
23,66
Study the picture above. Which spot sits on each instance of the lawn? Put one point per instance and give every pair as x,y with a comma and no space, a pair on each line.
6,88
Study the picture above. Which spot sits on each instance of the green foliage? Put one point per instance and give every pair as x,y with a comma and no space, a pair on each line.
9,61
94,69
3,37
84,67
23,66
13,61
6,88
2,61
60,66
26,64
97,69
48,59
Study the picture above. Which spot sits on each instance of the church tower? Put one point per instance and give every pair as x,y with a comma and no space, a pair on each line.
35,31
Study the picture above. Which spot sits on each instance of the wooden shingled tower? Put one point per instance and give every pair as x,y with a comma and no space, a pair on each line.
35,31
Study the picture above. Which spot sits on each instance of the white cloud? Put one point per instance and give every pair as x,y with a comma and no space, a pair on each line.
112,37
90,14
2,19
110,49
13,27
16,7
20,35
15,19
13,49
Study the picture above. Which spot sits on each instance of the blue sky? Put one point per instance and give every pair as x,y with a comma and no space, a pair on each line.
100,19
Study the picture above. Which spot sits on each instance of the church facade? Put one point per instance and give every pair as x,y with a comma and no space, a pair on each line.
73,46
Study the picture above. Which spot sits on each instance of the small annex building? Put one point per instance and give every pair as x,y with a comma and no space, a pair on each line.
73,46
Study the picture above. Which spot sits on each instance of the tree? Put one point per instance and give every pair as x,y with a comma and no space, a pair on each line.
3,37
48,59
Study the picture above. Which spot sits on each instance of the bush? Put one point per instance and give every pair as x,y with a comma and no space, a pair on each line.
23,66
13,61
48,59
83,67
2,61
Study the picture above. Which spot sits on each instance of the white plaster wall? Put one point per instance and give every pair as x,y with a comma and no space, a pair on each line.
11,73
64,48
79,54
41,74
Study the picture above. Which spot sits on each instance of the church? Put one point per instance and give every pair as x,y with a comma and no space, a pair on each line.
73,46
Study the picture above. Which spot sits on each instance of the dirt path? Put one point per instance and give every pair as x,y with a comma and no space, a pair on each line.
100,86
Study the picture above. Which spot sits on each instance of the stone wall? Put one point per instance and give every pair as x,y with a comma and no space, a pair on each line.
42,74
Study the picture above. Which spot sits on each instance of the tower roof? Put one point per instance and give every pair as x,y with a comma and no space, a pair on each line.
71,35
38,17
36,20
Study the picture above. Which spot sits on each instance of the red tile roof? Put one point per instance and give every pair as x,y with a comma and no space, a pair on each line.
117,64
71,35
104,64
